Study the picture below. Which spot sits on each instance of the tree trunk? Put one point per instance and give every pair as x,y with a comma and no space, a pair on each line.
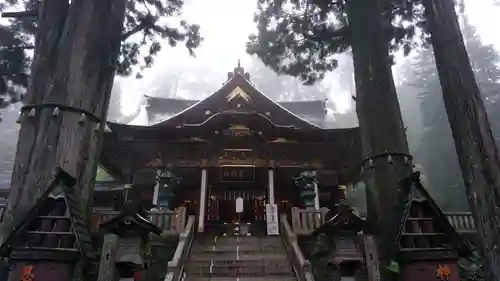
77,46
381,126
470,127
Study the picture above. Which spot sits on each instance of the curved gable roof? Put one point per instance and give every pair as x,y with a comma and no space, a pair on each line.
237,94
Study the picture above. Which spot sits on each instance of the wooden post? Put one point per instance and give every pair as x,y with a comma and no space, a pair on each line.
108,258
271,199
203,199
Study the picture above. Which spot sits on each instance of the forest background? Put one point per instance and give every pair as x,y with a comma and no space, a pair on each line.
175,74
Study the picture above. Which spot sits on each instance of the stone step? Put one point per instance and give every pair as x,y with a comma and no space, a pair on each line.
238,272
282,263
241,268
240,255
260,278
248,249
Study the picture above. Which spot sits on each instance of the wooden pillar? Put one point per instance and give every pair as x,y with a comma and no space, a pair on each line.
203,200
270,199
316,191
156,190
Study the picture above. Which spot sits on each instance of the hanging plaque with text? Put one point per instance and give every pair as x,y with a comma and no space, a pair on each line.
237,174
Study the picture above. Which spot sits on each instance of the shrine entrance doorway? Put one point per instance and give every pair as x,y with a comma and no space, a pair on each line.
226,185
221,205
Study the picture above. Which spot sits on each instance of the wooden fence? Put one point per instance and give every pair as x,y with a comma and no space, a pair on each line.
305,222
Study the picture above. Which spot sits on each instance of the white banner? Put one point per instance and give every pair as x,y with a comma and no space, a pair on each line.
272,219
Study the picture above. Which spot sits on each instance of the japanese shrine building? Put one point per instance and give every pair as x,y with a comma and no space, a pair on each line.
237,142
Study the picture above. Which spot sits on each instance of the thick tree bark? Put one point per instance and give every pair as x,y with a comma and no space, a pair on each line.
381,126
470,127
77,46
50,24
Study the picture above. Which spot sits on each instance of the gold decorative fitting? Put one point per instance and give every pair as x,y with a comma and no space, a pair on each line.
32,112
55,112
268,113
371,163
208,112
216,132
239,93
389,159
82,120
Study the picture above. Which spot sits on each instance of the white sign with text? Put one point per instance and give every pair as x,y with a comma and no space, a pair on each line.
239,205
272,219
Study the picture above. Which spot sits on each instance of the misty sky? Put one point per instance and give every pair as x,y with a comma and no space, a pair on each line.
227,30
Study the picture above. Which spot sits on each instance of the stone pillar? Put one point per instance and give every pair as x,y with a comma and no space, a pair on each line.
203,200
270,199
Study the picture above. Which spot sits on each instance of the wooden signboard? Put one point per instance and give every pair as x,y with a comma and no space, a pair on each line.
237,174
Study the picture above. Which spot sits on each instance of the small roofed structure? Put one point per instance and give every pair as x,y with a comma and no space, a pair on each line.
426,245
128,235
49,238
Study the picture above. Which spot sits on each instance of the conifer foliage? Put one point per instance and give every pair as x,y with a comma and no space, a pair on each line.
144,26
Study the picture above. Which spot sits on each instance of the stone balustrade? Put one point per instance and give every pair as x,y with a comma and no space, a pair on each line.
172,222
305,222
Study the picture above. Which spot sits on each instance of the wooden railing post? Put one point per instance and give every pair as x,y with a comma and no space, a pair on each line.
175,267
300,264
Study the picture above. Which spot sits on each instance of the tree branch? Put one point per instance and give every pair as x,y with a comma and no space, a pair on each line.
133,31
23,14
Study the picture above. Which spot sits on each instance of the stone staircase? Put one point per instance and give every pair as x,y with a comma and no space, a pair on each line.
233,258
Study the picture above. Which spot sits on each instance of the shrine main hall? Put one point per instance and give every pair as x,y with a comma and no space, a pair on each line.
236,143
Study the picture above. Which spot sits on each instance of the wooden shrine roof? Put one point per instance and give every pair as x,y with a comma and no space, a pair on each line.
167,107
236,94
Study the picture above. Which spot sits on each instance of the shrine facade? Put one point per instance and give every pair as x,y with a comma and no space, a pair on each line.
236,143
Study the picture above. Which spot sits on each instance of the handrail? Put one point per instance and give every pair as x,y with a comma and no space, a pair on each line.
175,267
301,266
